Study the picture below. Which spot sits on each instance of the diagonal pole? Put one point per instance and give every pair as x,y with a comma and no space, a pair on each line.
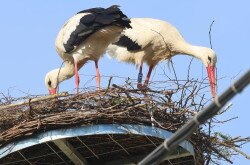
211,110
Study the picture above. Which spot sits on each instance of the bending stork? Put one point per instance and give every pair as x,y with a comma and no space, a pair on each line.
151,41
85,37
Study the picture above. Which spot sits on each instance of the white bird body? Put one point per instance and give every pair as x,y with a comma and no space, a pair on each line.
159,40
142,34
90,49
151,41
95,46
84,37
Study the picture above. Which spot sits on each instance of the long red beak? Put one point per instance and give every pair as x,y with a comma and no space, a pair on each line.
211,77
52,91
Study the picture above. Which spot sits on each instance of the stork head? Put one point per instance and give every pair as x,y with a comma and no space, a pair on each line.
52,81
209,59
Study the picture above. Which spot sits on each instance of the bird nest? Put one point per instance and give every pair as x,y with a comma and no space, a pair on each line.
166,108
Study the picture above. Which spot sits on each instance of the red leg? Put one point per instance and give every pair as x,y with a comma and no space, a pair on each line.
98,78
77,79
148,76
139,80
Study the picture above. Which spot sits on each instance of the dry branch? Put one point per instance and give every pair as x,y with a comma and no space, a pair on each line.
33,100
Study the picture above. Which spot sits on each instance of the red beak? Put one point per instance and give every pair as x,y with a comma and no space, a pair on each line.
52,91
211,77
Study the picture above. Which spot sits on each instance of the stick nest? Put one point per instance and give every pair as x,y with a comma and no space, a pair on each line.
166,108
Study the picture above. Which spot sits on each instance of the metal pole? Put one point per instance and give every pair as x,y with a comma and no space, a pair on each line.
156,156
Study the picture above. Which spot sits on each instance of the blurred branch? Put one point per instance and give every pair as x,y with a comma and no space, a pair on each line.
64,94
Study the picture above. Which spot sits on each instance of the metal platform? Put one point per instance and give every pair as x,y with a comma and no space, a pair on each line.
96,144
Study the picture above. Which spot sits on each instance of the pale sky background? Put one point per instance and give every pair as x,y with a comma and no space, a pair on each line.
28,30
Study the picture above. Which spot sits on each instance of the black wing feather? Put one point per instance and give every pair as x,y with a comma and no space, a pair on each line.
97,19
125,41
92,10
88,19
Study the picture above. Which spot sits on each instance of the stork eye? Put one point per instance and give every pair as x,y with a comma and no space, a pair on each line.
49,83
209,58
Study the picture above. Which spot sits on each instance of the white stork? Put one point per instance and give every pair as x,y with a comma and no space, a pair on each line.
85,36
151,41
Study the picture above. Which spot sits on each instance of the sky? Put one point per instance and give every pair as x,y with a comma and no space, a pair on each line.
28,30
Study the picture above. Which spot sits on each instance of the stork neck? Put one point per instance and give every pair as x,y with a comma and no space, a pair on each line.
191,50
194,51
66,72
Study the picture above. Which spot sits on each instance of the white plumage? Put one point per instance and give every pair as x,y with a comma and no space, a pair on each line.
151,41
93,47
85,37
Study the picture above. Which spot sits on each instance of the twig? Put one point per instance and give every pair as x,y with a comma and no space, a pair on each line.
108,85
124,90
235,149
64,94
210,36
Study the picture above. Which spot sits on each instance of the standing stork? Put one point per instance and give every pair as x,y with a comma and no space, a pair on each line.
85,36
151,41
